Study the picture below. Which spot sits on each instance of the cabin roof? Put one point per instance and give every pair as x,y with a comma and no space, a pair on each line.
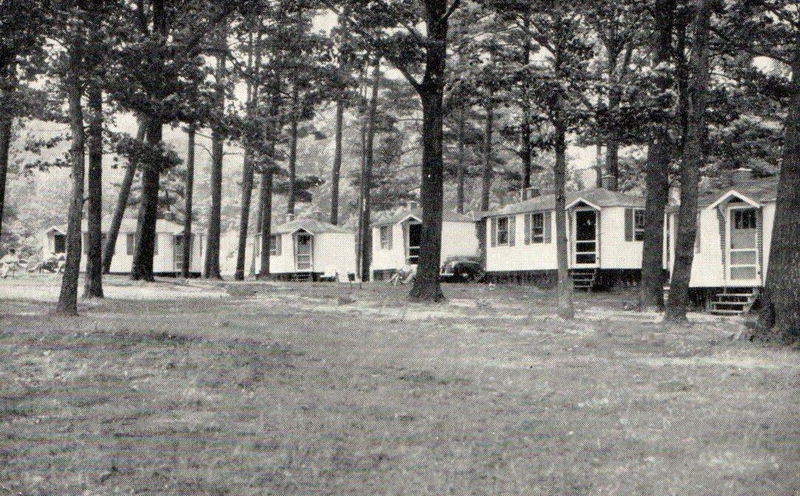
761,190
596,197
313,226
391,218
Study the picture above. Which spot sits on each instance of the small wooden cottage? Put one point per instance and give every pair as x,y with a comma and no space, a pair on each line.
300,249
605,230
731,252
168,259
396,240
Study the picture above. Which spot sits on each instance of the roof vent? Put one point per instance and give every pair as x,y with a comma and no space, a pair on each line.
530,192
609,182
742,174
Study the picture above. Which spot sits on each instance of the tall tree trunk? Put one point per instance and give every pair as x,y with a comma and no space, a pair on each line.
186,266
612,137
693,158
244,213
8,84
782,289
488,159
337,161
290,199
142,269
365,237
146,236
566,309
68,297
265,207
651,292
526,152
212,269
122,203
93,282
431,91
461,158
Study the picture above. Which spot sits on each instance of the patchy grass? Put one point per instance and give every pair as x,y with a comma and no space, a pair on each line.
255,388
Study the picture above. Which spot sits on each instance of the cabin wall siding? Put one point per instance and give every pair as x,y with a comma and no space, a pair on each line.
707,266
615,251
164,262
521,257
458,239
335,251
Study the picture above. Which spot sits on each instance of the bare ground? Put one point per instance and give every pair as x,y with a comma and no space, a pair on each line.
254,388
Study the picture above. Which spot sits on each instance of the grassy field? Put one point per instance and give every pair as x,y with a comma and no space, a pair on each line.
175,388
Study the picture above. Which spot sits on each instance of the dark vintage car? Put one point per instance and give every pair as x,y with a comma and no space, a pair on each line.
462,269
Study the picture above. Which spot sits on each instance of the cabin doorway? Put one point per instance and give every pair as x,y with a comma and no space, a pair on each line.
178,252
303,251
414,242
585,244
742,256
59,243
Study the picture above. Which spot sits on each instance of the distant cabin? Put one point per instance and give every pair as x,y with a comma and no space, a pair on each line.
300,249
731,251
396,240
605,230
168,259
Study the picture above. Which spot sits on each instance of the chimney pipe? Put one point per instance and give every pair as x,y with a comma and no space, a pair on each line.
530,192
606,181
412,204
742,174
289,217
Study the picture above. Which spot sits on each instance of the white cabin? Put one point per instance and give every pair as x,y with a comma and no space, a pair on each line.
734,234
168,259
396,240
299,249
605,230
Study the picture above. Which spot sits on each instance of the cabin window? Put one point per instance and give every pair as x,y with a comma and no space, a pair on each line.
537,228
744,219
275,245
59,243
502,231
638,225
386,237
130,243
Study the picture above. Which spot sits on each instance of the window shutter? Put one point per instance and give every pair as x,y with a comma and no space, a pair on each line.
129,244
548,225
85,242
493,229
390,228
512,224
628,224
278,245
528,229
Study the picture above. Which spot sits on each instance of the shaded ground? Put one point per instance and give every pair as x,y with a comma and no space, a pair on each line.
257,388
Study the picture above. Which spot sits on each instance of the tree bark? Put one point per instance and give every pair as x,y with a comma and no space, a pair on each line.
566,308
461,165
488,159
265,207
212,269
612,136
68,297
8,85
365,238
337,162
781,297
142,269
431,91
186,266
122,203
93,282
290,199
526,153
693,158
651,292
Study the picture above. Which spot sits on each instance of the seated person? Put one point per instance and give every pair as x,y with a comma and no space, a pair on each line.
10,263
404,275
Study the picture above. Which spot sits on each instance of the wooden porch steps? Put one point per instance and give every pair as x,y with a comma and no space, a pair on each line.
583,279
733,301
